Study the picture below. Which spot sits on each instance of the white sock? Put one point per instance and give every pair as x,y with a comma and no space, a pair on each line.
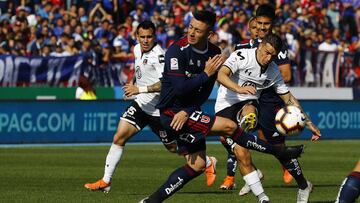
208,161
112,160
253,180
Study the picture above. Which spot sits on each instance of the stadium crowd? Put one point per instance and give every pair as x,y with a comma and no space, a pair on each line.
104,29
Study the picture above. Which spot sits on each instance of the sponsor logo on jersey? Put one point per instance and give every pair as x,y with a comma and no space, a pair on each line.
174,64
175,186
205,119
282,54
248,83
191,63
145,61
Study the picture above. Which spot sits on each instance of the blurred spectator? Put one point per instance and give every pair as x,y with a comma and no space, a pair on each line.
85,90
104,29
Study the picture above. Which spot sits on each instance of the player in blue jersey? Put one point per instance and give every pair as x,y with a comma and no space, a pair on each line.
149,65
350,188
191,66
269,103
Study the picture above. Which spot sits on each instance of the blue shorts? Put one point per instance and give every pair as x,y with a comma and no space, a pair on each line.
191,138
267,113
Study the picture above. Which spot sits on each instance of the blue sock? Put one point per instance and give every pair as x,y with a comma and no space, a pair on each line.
175,182
350,189
231,165
294,169
231,161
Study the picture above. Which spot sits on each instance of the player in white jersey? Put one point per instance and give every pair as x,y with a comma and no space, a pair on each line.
243,76
149,65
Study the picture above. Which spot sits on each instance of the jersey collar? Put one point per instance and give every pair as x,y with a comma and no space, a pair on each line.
199,51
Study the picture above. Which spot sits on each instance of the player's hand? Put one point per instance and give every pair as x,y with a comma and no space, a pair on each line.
213,64
179,120
130,90
315,131
246,90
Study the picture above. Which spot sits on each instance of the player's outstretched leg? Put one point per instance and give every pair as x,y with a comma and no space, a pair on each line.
178,178
124,131
252,142
305,186
112,160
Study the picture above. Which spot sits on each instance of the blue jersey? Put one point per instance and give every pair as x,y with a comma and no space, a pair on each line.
269,101
185,85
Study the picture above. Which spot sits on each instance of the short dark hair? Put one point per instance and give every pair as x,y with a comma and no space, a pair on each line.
274,40
207,17
147,24
266,10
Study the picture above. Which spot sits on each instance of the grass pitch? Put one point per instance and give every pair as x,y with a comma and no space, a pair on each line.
57,174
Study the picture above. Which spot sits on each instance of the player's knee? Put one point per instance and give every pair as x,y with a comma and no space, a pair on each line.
230,127
119,139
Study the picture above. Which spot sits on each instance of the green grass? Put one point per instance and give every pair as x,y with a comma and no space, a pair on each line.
57,174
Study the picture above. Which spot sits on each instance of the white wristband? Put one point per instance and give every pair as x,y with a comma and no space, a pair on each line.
143,89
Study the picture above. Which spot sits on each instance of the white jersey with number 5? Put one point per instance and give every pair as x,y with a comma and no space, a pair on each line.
148,70
246,71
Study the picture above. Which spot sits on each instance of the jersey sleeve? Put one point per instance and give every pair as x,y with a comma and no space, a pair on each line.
279,85
175,67
282,57
235,61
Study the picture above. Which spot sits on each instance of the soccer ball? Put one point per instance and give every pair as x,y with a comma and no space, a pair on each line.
290,121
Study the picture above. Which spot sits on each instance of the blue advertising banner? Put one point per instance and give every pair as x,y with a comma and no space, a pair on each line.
19,70
96,121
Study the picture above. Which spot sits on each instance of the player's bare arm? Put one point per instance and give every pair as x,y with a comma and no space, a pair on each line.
285,70
289,99
213,64
130,89
224,79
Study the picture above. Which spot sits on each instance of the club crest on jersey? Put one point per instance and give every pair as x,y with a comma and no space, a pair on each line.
174,64
205,119
145,61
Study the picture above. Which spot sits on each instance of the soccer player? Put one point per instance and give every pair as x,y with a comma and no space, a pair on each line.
191,66
229,181
270,102
149,65
350,187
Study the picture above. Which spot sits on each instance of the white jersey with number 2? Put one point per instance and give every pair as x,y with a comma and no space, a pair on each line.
246,71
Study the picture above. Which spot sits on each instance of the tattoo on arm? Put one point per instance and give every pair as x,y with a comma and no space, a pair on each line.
293,101
156,87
